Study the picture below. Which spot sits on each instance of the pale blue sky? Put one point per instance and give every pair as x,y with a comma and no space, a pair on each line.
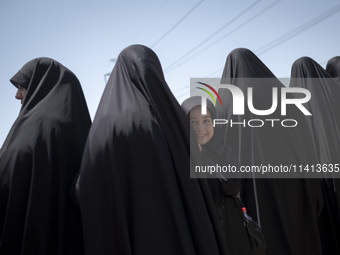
191,38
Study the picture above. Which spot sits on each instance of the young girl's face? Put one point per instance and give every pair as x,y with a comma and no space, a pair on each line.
202,124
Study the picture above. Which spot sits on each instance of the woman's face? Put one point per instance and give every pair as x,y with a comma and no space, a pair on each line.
21,93
202,124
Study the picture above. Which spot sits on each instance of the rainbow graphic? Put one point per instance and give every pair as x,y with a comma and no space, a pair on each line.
209,93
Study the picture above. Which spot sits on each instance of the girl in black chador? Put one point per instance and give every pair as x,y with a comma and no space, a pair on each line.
224,190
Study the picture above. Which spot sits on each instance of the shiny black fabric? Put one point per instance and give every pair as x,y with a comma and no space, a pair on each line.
333,68
39,161
324,125
134,188
287,209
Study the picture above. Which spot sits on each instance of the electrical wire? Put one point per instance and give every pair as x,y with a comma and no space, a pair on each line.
298,30
180,21
213,35
231,32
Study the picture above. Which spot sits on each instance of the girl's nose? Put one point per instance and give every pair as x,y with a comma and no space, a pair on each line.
199,126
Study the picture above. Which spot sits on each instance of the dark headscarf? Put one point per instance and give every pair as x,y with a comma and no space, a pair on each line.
333,68
212,150
39,161
281,203
24,75
134,189
194,101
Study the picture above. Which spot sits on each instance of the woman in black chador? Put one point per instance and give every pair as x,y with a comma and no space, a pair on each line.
325,126
286,209
224,189
333,68
134,188
39,161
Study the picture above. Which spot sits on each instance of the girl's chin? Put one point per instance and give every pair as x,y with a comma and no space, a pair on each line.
200,142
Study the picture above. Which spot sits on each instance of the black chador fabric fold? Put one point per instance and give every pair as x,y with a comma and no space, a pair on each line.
325,126
39,161
286,209
333,68
134,188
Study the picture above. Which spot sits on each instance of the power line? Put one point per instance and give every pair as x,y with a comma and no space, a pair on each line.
223,37
187,86
183,18
182,94
179,90
107,75
213,34
298,30
231,32
215,72
150,19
